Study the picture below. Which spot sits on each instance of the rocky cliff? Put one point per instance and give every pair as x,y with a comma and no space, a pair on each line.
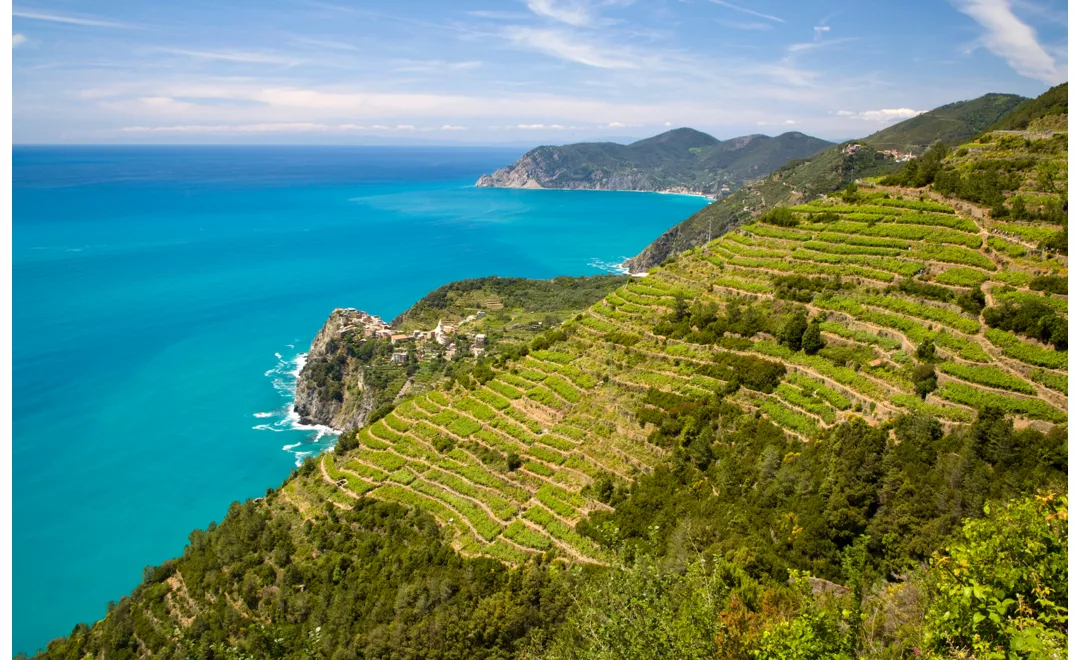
331,388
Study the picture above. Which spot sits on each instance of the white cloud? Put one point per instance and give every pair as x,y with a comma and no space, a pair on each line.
70,20
751,12
17,40
819,31
565,46
667,123
1011,39
790,122
576,14
883,115
617,124
449,127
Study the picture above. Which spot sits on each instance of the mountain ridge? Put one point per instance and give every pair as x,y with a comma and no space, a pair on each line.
830,169
679,160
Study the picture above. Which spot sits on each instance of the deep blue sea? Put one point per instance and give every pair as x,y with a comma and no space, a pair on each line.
163,295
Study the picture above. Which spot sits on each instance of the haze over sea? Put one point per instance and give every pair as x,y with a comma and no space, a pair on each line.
162,296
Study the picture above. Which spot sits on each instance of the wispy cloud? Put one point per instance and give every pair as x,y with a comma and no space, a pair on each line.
576,14
498,15
1011,39
819,31
65,18
280,127
745,25
325,43
234,56
17,40
751,12
883,115
568,46
437,65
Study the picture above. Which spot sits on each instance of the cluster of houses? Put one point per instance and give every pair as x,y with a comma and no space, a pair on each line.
895,154
443,334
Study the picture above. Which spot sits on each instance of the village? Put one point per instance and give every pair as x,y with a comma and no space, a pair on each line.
895,154
441,340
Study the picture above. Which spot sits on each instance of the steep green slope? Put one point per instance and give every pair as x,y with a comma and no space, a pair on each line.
1050,111
950,123
353,375
829,170
830,390
681,159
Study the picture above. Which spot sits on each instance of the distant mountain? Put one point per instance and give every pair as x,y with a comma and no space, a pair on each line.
804,179
954,122
682,159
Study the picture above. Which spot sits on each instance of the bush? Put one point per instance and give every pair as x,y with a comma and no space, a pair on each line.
781,216
1051,283
1001,590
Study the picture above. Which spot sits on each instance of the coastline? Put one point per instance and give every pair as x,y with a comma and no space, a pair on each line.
710,198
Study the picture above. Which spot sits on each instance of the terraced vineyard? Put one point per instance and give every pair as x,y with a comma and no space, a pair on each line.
888,279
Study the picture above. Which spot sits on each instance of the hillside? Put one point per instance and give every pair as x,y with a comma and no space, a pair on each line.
1048,112
770,443
950,123
359,366
681,160
831,169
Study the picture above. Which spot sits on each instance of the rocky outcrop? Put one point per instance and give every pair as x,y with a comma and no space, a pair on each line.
330,389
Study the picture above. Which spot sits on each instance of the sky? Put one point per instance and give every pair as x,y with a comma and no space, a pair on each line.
513,72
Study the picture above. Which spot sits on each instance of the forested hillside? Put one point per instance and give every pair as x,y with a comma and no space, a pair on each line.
837,431
679,160
831,169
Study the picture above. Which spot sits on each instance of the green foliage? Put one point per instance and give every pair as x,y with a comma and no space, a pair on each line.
1051,103
990,376
812,341
978,398
1051,283
925,378
962,277
1030,317
1001,590
1052,380
780,216
793,329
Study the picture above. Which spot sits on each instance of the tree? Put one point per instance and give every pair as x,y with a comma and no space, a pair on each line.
973,301
925,352
513,461
811,339
791,334
925,379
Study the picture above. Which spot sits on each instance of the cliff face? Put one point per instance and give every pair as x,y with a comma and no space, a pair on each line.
330,389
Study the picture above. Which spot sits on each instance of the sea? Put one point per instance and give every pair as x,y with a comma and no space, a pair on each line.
164,298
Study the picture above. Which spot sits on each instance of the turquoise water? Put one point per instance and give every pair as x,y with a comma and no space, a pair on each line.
162,296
